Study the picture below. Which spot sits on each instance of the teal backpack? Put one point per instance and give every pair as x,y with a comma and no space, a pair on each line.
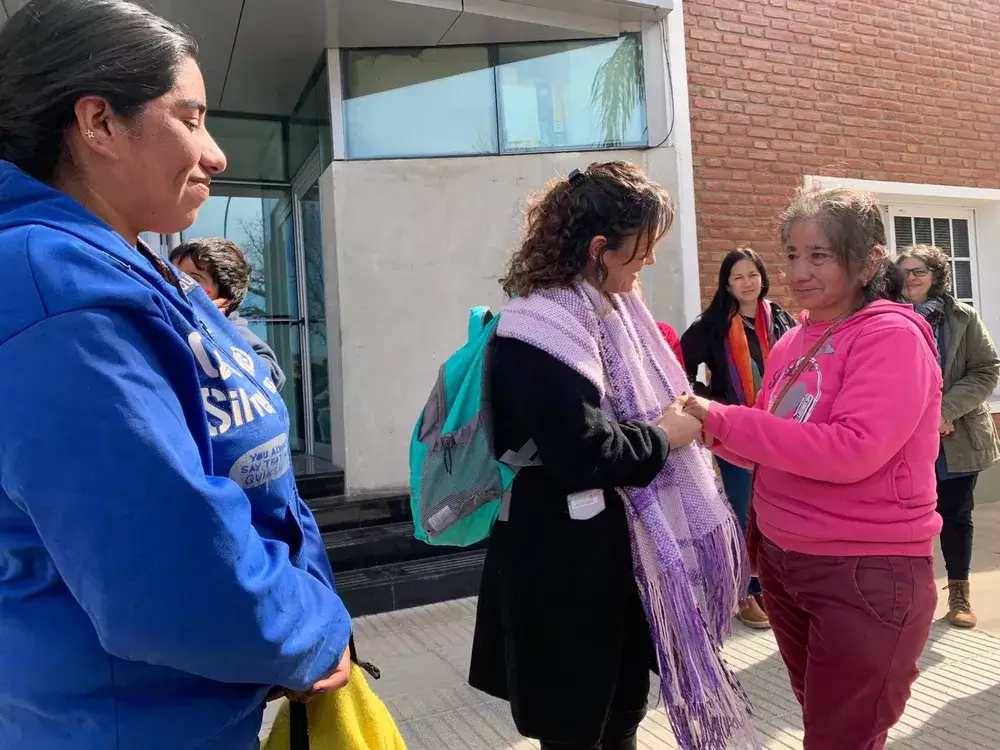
457,485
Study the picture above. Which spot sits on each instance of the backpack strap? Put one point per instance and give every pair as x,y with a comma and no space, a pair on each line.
522,459
479,318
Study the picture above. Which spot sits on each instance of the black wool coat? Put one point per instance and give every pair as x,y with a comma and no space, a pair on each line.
560,631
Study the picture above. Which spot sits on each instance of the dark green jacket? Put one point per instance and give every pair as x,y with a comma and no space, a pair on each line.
971,375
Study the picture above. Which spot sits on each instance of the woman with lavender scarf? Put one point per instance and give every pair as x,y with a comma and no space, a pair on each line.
616,552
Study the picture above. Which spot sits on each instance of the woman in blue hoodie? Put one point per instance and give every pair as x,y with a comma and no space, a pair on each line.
159,574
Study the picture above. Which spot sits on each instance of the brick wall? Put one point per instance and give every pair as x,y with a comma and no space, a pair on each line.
900,90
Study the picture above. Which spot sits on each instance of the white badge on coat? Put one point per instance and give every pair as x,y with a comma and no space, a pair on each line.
585,505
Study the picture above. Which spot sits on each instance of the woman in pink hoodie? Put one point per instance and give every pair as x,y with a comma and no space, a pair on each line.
843,437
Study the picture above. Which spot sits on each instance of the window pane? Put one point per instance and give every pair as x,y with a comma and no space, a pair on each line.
568,95
319,366
153,241
942,234
922,231
960,235
309,125
422,102
312,248
253,147
320,372
259,220
962,279
904,231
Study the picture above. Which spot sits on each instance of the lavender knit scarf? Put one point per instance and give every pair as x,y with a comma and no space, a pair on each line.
690,562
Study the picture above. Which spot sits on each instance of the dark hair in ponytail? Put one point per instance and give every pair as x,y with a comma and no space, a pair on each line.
53,52
852,222
614,200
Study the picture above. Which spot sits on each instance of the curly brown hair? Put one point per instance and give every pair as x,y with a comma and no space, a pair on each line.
852,222
937,262
614,200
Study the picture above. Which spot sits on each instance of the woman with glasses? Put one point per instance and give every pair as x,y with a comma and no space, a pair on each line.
969,444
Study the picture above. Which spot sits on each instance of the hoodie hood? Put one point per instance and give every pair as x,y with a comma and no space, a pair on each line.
25,201
875,312
73,261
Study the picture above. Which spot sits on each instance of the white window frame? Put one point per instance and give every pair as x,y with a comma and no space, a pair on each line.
939,201
941,212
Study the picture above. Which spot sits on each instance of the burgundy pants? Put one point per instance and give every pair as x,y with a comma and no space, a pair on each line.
850,631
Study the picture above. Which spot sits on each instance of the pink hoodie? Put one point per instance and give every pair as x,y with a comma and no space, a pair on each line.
847,458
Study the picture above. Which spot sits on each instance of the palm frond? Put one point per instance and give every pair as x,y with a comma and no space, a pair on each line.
617,89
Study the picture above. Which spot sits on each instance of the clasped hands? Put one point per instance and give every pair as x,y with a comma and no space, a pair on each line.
683,421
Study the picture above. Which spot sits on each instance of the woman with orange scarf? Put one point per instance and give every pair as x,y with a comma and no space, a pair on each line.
733,338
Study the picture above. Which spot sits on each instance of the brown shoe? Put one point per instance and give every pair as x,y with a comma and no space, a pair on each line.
960,612
753,616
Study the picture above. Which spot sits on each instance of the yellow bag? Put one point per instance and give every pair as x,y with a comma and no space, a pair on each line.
352,718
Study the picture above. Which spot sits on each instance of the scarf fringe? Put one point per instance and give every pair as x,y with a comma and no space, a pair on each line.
704,701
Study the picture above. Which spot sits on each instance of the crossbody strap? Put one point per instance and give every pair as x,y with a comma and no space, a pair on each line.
754,536
802,365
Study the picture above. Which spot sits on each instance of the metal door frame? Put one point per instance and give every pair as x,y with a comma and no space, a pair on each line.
308,174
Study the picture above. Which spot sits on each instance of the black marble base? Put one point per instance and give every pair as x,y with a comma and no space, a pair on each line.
385,588
378,563
381,544
320,484
338,511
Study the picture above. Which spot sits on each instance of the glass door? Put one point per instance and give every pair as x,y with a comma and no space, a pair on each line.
312,300
280,231
261,221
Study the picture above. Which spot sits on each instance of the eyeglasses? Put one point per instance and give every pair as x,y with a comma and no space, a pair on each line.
917,273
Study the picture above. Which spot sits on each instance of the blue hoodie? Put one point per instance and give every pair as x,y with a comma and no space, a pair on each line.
158,570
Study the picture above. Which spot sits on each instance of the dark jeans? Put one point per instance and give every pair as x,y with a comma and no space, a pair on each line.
737,484
619,734
955,505
850,631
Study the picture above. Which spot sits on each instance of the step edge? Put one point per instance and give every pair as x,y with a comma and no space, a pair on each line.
464,562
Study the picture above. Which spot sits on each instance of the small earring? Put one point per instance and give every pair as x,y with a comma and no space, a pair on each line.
90,134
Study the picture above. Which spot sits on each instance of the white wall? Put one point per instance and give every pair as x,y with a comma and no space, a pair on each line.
411,246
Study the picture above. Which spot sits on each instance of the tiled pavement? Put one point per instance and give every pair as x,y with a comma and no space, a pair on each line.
424,657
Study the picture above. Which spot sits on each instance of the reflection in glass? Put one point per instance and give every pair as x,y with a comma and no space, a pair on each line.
422,102
284,337
259,221
320,372
253,146
549,96
571,95
312,246
309,126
